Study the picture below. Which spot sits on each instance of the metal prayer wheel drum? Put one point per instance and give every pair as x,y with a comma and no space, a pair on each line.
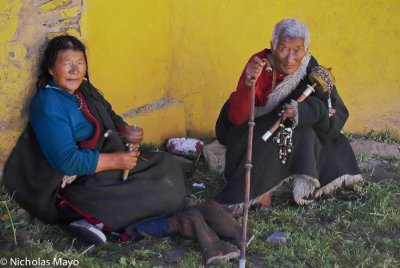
322,78
132,134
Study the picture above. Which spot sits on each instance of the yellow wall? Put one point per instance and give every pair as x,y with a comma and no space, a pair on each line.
129,49
168,65
129,55
212,40
194,51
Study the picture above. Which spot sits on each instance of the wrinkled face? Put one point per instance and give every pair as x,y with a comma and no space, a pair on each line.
288,54
69,70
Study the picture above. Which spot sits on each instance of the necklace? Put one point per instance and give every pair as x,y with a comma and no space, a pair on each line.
80,101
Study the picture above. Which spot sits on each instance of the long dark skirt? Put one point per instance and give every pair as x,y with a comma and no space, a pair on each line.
324,160
156,187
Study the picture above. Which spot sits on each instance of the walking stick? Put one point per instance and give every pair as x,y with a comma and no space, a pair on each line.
248,165
322,80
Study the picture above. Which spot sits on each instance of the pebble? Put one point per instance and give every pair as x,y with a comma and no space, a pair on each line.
374,163
279,238
174,255
199,185
4,217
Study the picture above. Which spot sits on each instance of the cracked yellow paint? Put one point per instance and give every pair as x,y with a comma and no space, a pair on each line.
71,12
73,32
24,27
9,22
52,5
16,52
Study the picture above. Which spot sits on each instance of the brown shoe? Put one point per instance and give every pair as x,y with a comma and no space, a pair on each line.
191,224
220,252
223,224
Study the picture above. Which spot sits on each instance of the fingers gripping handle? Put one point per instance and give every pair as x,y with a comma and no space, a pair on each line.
133,137
129,147
306,93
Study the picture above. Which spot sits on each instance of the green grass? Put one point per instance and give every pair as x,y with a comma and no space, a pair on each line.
379,136
362,157
358,226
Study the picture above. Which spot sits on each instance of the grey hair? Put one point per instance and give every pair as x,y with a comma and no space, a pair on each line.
291,28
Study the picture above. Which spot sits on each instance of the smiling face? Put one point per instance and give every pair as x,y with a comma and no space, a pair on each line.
288,54
69,69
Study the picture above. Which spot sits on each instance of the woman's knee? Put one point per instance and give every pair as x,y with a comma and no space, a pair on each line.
304,134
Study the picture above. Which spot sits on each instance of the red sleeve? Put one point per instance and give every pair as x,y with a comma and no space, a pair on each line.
239,100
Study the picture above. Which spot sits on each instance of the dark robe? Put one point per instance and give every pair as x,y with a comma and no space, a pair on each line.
154,187
320,151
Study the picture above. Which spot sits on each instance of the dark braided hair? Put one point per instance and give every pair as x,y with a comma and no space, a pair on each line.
55,45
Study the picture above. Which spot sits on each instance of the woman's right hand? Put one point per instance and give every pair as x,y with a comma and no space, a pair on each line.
118,160
253,70
127,160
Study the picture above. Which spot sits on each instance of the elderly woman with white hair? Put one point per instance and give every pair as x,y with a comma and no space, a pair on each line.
321,158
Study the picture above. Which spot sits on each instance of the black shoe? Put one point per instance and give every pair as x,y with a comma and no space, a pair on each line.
87,232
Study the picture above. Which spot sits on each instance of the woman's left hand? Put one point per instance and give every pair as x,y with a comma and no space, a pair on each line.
288,111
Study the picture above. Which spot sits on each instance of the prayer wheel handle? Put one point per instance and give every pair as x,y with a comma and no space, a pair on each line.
132,136
322,80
